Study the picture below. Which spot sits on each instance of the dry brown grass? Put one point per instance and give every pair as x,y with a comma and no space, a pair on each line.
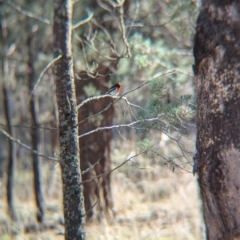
152,203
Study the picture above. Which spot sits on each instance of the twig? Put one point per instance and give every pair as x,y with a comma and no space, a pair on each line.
118,98
92,99
25,146
118,126
43,71
108,95
97,51
134,18
172,161
81,22
27,13
25,126
91,167
124,30
154,77
182,150
128,160
90,209
176,69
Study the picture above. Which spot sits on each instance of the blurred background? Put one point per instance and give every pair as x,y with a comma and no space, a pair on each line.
147,47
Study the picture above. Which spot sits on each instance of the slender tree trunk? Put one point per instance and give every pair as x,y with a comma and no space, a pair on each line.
35,133
11,156
68,131
217,79
6,102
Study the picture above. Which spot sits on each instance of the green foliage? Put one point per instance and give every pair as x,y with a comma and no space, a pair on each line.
146,146
152,152
173,113
159,35
166,117
148,150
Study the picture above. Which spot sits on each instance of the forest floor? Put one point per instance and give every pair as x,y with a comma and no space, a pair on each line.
152,202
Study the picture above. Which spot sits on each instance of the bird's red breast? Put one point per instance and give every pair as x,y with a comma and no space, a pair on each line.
115,89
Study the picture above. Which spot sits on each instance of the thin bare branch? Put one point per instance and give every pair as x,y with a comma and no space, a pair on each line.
123,29
154,77
179,145
118,4
122,96
123,120
118,97
27,13
92,99
119,125
95,22
83,21
124,162
26,146
97,51
42,73
133,20
91,167
176,69
167,161
182,101
89,210
122,26
133,105
26,126
108,95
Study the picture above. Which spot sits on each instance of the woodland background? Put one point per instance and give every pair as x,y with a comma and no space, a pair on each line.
155,196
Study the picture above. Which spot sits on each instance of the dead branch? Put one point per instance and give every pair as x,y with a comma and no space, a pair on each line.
119,125
26,146
27,13
42,73
83,21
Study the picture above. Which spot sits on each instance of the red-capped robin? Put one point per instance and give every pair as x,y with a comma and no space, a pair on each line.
115,89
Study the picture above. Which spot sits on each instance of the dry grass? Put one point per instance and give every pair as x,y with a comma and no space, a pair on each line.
164,209
152,203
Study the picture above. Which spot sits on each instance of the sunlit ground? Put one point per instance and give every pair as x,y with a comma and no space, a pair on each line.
151,202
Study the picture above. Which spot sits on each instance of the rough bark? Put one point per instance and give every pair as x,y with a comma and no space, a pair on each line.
217,80
96,147
7,114
35,132
68,131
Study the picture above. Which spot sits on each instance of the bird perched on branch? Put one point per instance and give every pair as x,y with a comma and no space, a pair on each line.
115,89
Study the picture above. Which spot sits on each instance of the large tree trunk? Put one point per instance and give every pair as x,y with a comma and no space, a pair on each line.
217,79
35,132
68,131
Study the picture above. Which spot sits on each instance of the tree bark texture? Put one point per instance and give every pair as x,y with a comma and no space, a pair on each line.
7,113
68,131
35,131
217,80
96,147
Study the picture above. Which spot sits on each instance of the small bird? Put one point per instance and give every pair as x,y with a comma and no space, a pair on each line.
115,89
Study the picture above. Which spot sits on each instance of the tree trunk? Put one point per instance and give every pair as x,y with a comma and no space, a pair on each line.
35,132
6,102
217,80
68,130
96,147
11,157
